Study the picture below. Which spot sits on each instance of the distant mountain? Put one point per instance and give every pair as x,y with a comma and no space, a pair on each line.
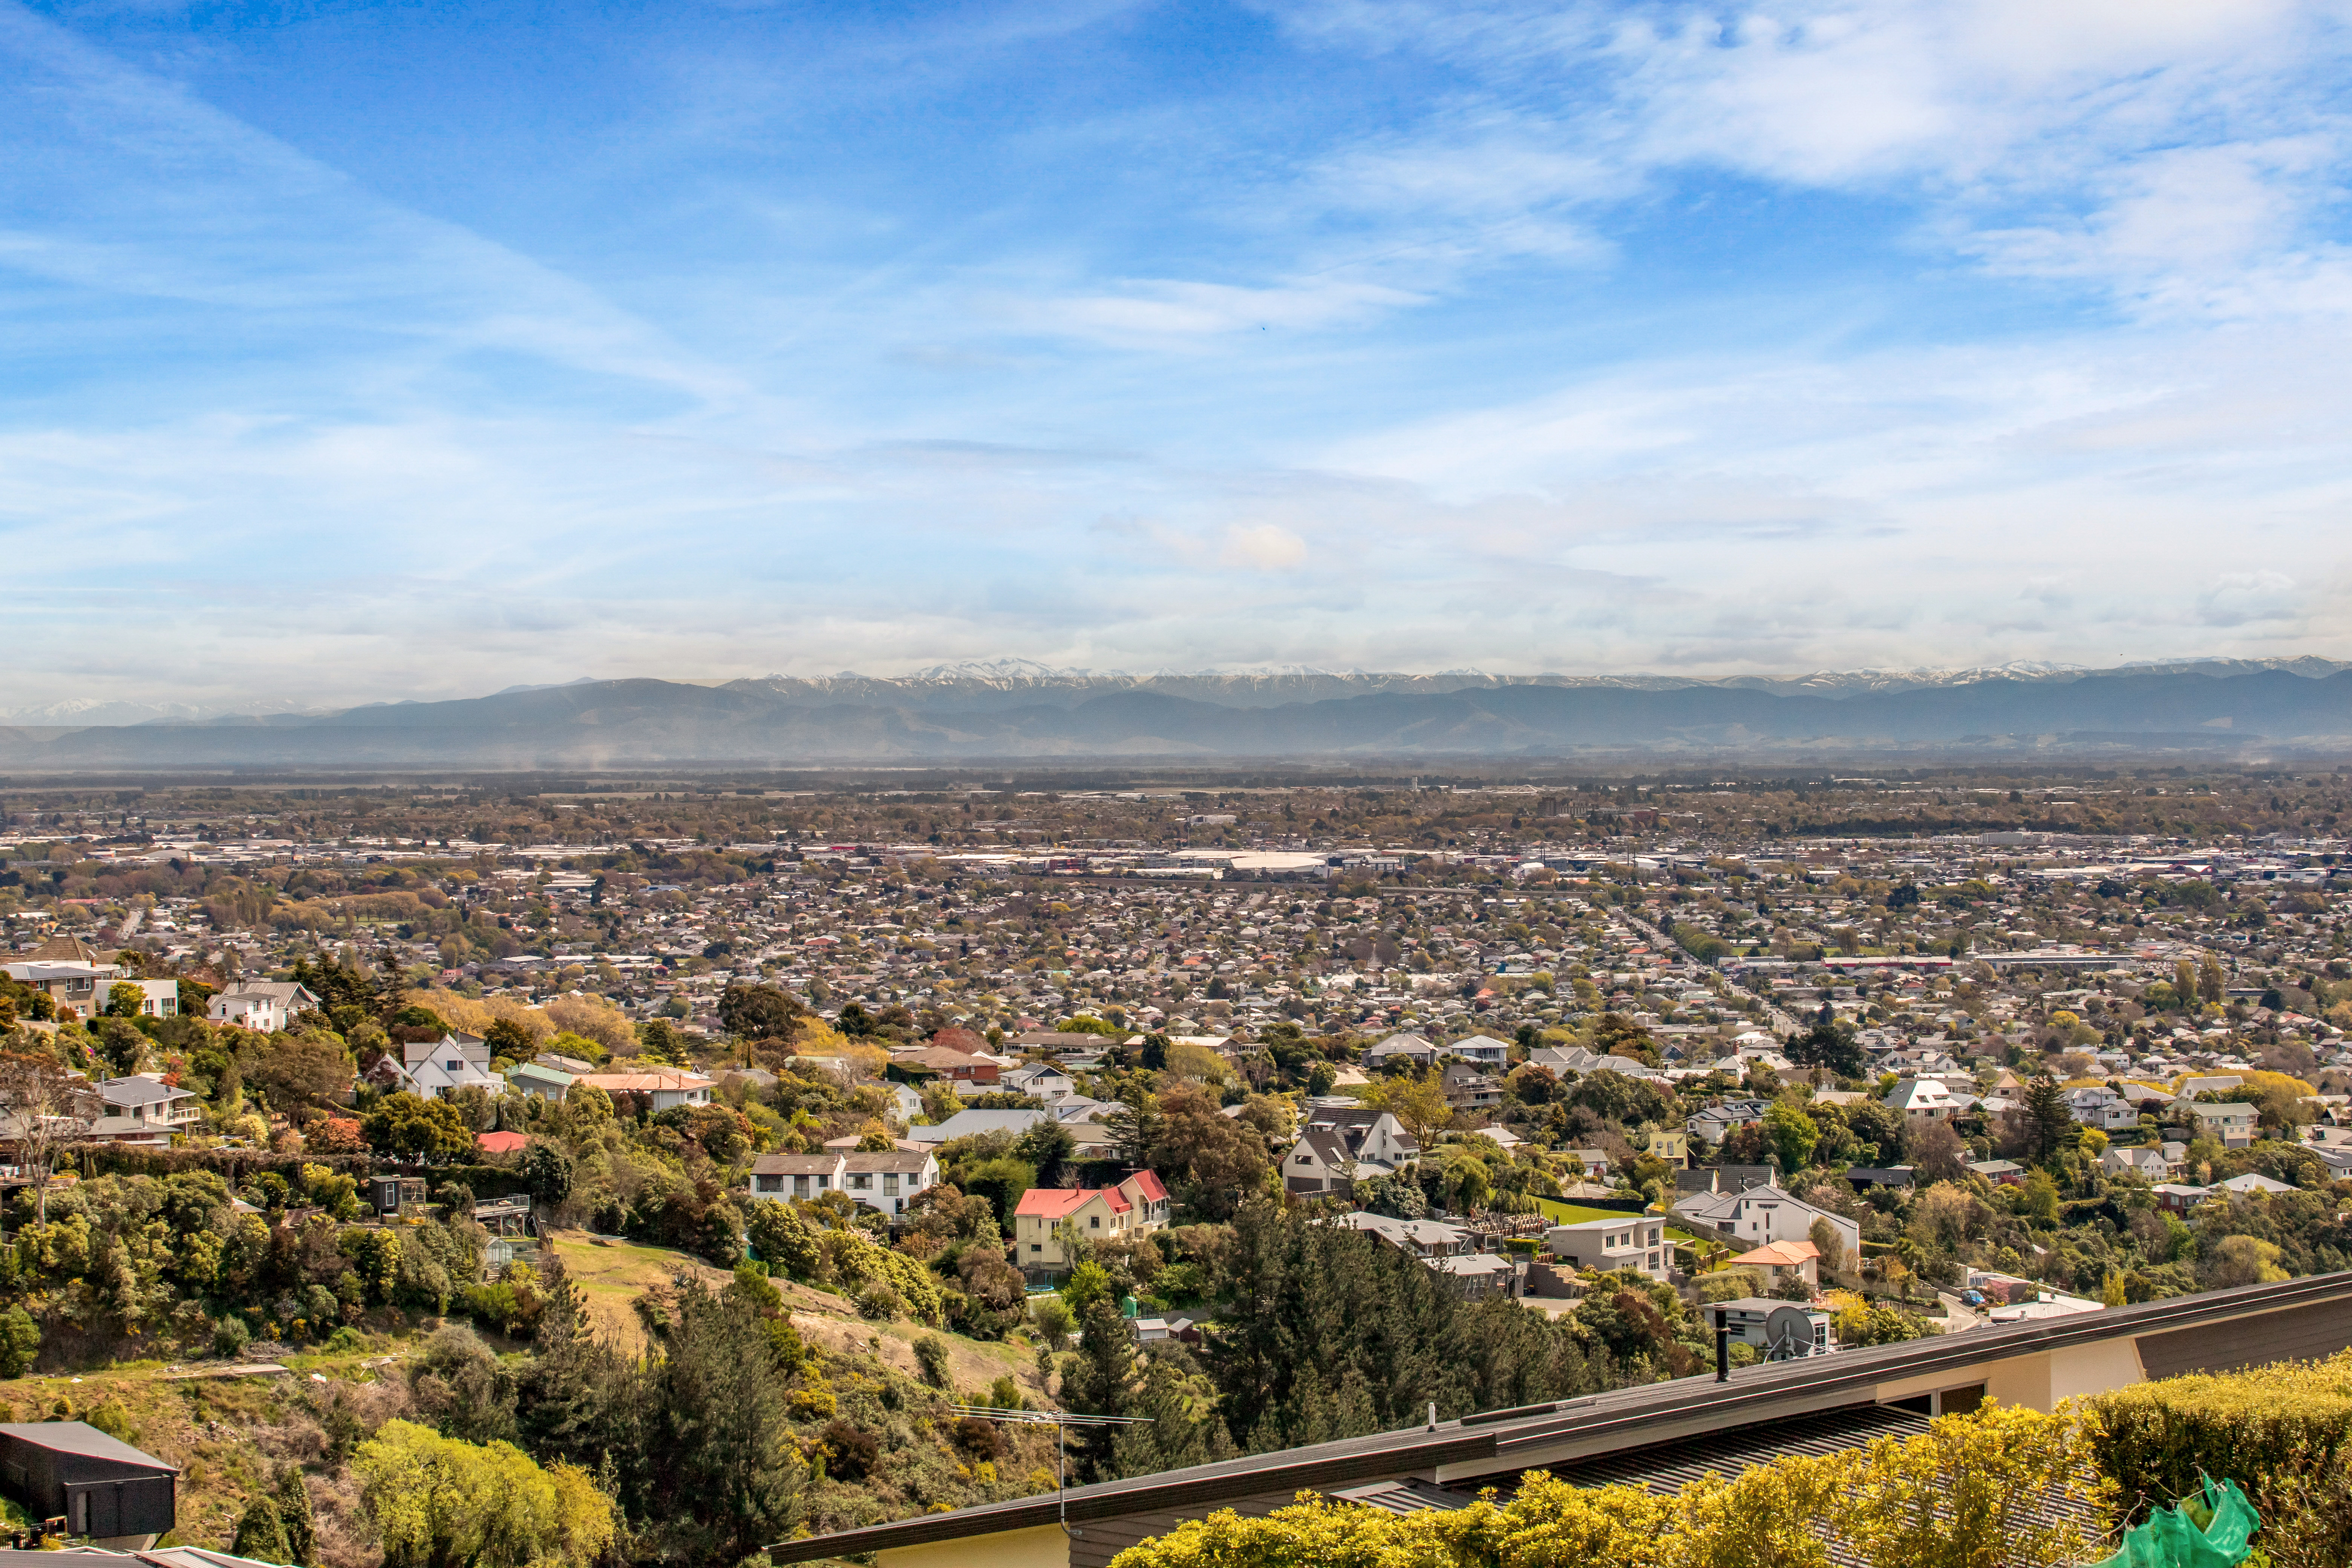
998,713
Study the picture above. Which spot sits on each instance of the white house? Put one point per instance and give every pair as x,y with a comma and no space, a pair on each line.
884,1180
1628,1241
268,1006
2103,1107
1766,1214
1482,1050
1319,1164
1924,1100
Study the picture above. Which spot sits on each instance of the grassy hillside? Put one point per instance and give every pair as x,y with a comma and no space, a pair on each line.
612,1274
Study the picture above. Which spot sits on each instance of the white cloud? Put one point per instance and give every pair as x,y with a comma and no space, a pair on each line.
1267,546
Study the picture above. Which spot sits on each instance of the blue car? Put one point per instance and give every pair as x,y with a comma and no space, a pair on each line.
1972,1298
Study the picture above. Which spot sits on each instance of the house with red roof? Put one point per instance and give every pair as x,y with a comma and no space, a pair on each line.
1136,1205
501,1142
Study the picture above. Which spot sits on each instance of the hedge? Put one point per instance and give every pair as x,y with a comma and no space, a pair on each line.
2278,1431
1970,1490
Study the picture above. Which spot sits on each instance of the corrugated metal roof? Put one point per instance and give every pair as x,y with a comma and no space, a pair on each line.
1411,1495
1671,1467
1492,1441
79,1437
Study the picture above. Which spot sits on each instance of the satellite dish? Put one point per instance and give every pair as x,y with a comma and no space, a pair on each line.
1788,1334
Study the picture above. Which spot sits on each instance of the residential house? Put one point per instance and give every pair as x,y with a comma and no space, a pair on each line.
268,1006
436,1069
1766,1214
665,1091
1670,1144
1924,1100
1634,1241
1423,1238
1802,1330
884,1180
149,1105
945,1062
1041,1079
1374,1138
1137,1205
2179,1198
78,989
969,1123
1467,1089
2103,1107
1476,1276
1716,1121
1319,1164
1482,1050
1594,1161
1410,1047
2230,1124
540,1081
2254,1184
2141,1160
1779,1262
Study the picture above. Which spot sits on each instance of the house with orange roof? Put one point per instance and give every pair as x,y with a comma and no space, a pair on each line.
666,1090
1137,1205
1781,1261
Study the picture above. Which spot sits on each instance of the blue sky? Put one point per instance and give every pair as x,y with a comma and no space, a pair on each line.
356,351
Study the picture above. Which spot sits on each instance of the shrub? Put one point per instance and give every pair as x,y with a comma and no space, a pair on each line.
20,1341
880,1302
932,1354
2280,1432
230,1338
1972,1491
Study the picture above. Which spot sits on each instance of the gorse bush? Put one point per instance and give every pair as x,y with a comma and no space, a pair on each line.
1995,1487
2282,1432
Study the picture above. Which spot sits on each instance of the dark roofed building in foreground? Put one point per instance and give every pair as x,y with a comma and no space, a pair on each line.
102,1488
1660,1434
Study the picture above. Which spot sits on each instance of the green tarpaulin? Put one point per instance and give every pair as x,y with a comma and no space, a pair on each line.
2174,1537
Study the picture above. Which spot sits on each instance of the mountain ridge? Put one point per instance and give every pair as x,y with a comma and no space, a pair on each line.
641,721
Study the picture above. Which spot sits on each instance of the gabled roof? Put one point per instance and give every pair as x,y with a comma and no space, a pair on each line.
1054,1203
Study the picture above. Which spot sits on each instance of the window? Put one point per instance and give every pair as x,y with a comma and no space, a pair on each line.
889,1183
1033,1246
1094,1222
862,1183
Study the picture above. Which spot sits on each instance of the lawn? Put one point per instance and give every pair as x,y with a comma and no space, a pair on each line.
1559,1213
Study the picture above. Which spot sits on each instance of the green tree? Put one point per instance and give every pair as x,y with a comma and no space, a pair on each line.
723,1474
440,1503
261,1532
1135,1125
124,1000
753,1012
1046,1146
1099,1384
20,1341
294,1511
405,1123
1793,1135
2044,1118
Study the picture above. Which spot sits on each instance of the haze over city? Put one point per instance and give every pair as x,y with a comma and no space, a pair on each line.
365,353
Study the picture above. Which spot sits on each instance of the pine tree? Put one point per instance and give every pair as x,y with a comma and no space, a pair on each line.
1099,1383
2048,1118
